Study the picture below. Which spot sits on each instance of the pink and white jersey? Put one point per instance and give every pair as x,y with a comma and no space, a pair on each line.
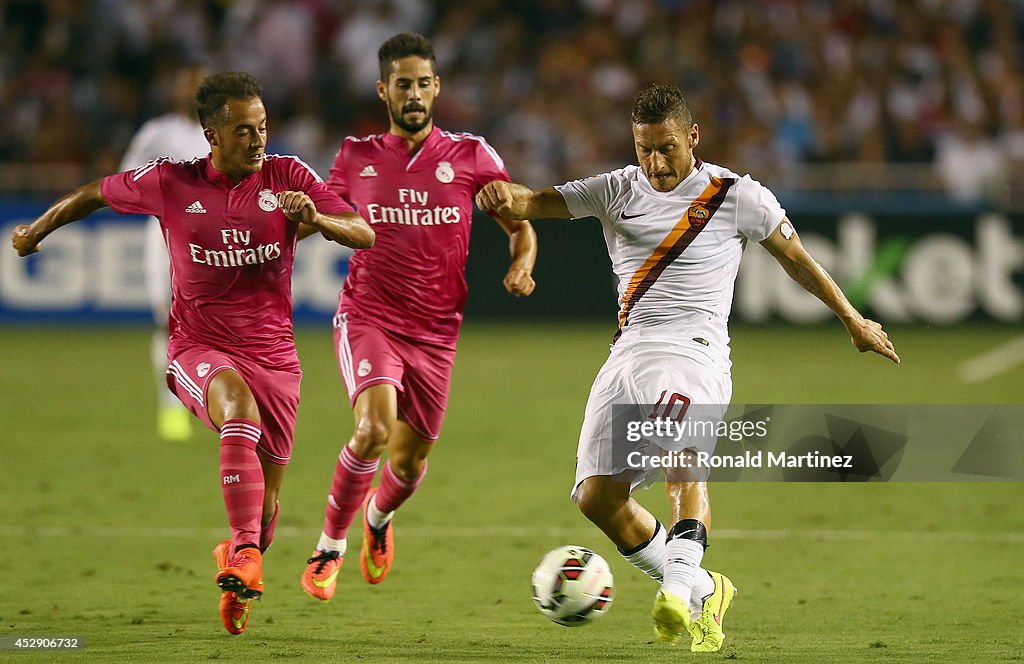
231,249
413,280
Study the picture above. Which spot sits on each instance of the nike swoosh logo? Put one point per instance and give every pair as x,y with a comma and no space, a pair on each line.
240,621
684,534
326,582
632,216
371,566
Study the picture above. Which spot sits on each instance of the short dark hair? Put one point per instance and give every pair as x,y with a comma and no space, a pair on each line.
403,45
215,91
658,103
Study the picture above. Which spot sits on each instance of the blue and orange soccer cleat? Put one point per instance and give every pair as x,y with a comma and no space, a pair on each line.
321,576
242,574
234,611
378,549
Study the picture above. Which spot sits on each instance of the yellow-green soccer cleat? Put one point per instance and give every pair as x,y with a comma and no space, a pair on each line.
707,630
671,617
174,424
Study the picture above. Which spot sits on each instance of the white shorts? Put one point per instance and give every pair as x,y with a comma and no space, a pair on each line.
646,373
157,268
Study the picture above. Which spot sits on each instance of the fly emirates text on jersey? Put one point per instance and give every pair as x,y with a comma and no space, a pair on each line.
232,255
413,211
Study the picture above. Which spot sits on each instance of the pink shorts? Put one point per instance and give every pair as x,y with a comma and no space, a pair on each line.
421,372
191,369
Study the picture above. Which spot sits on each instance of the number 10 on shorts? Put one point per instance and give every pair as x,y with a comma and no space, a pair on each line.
674,409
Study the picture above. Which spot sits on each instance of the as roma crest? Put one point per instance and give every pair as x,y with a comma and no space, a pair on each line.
698,215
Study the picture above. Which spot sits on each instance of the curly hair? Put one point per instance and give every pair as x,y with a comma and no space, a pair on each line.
215,91
658,103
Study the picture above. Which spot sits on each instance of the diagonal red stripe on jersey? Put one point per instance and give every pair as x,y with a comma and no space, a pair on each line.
697,217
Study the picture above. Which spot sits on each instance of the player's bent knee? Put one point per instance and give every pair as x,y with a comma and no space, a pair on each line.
408,467
229,398
408,456
370,437
242,407
595,501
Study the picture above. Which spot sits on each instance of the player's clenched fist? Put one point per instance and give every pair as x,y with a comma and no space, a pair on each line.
297,206
518,282
493,196
502,198
24,241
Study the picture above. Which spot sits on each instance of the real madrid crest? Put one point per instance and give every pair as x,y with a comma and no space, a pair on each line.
444,173
268,201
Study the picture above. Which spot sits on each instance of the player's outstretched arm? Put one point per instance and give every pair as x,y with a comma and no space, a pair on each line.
784,244
347,228
516,201
77,205
522,246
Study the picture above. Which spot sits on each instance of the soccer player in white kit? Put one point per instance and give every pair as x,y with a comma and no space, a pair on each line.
675,228
177,135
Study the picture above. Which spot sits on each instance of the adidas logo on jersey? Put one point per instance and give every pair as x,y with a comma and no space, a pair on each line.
368,172
196,208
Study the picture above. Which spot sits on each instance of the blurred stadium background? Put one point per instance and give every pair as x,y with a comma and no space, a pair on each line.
891,131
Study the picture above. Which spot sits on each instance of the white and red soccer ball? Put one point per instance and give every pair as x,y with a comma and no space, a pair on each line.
573,586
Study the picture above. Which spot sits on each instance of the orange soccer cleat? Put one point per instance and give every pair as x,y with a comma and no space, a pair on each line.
242,574
378,550
221,553
234,611
321,576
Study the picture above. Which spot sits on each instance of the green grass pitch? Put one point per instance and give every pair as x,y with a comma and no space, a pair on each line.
107,534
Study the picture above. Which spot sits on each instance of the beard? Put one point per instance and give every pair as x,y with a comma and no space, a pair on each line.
408,125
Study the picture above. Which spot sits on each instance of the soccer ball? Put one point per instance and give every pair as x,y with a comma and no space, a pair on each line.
573,586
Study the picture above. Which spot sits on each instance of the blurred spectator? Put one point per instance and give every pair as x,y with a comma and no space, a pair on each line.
971,164
366,25
772,84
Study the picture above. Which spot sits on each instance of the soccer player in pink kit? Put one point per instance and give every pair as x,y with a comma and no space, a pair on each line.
401,306
231,221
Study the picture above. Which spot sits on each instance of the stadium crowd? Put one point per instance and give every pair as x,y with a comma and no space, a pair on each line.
772,83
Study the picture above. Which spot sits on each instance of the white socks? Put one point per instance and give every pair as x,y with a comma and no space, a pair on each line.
703,585
651,558
651,561
328,544
682,562
375,517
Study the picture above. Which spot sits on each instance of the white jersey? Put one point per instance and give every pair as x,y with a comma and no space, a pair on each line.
676,254
172,135
180,138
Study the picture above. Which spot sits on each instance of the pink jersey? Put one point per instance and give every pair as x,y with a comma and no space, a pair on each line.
413,280
231,249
